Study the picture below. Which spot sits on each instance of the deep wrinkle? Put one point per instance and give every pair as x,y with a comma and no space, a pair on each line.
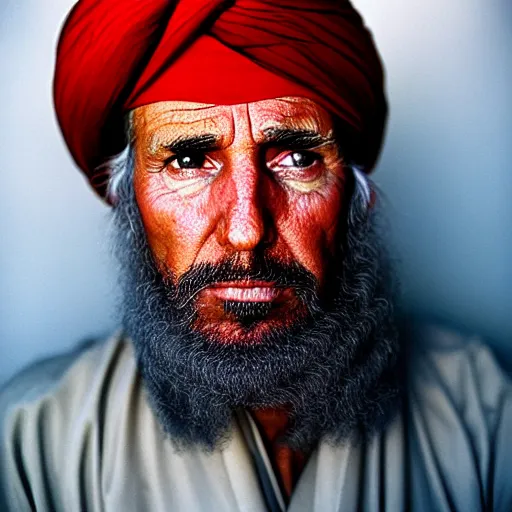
243,193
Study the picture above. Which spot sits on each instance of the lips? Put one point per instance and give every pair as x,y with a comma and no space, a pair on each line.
245,291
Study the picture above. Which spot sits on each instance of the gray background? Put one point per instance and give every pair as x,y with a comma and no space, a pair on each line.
445,172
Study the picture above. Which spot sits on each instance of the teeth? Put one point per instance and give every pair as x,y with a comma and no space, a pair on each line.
256,294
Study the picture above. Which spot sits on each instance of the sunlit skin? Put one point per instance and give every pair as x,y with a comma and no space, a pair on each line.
214,180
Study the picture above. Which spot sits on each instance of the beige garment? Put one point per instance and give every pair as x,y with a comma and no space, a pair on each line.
77,435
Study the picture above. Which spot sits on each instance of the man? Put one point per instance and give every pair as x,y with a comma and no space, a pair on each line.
260,366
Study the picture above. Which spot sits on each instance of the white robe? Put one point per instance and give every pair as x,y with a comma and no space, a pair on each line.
77,434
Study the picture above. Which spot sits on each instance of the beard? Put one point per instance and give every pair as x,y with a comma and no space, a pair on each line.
334,366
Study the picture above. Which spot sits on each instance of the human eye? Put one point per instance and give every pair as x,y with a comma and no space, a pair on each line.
299,169
191,164
297,159
296,163
189,171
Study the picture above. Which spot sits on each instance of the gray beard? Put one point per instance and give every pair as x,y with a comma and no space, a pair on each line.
337,371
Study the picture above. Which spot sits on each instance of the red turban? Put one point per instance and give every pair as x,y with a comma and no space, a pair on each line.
115,55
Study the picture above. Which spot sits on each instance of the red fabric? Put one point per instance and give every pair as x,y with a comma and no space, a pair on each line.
115,55
209,72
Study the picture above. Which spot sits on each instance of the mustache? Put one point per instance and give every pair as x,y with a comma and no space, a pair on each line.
261,269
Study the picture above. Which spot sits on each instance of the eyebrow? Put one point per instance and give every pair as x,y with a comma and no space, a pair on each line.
202,142
300,139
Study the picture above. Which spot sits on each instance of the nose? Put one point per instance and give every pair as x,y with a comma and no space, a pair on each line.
245,226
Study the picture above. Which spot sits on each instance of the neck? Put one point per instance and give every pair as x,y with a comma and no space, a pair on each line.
287,463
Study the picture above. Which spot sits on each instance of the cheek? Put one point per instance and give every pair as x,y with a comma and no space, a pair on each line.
176,227
309,227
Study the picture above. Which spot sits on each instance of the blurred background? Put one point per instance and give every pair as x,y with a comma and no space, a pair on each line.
446,173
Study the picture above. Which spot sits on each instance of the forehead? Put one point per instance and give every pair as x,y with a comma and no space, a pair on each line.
290,112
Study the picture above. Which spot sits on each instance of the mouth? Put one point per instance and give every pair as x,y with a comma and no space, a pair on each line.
245,291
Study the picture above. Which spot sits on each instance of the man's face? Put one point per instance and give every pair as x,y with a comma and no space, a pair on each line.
252,272
236,185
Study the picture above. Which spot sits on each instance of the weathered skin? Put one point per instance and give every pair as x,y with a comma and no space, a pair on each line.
241,196
246,194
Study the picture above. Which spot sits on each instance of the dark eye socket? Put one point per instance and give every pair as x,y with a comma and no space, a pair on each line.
189,160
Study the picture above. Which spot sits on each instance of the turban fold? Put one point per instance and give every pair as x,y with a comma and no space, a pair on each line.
116,55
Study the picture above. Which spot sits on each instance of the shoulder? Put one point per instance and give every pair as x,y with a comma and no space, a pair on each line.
461,414
462,368
64,380
46,409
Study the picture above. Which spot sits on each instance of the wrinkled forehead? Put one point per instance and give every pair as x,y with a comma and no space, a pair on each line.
293,113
